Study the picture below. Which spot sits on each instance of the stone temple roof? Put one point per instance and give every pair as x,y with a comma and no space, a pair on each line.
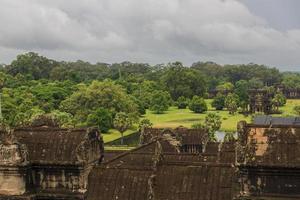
53,145
274,145
158,171
186,136
270,120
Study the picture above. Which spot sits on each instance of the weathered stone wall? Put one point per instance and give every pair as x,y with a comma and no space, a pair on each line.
269,161
47,163
14,179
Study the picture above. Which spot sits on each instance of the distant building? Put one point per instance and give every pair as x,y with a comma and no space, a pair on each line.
267,120
260,101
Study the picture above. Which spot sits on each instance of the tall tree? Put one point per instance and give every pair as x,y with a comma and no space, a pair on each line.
183,81
122,122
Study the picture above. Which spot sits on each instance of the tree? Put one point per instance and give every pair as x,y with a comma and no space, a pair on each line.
291,80
64,119
198,105
32,65
278,100
297,110
213,123
227,86
183,81
229,137
241,89
145,123
232,103
182,102
122,122
89,98
160,102
218,102
101,118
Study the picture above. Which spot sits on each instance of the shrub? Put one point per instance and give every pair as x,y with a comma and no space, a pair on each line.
101,118
218,102
297,110
232,103
182,102
198,105
160,101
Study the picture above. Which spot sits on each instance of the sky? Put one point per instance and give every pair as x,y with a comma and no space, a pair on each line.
154,31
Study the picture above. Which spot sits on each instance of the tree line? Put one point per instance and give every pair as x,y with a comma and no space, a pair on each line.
116,95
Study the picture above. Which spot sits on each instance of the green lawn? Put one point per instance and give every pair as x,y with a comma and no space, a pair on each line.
175,117
184,117
113,134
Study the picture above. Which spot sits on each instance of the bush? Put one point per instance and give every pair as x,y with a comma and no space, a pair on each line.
101,118
198,105
198,126
145,123
232,103
182,102
218,102
297,110
213,123
160,101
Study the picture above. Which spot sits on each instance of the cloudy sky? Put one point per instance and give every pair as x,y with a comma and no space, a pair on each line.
154,31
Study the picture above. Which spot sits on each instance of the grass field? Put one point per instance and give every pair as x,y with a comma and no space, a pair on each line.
184,117
175,117
113,134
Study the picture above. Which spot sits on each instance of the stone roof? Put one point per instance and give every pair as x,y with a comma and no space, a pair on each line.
186,136
53,145
270,145
155,172
270,120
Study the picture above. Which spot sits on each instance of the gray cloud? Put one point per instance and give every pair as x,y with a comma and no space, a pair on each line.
145,31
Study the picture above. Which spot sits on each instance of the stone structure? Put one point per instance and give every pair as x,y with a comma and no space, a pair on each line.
263,164
158,171
46,162
289,93
173,164
260,101
269,161
188,140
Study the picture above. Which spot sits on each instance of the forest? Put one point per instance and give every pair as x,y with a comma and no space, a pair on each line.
80,94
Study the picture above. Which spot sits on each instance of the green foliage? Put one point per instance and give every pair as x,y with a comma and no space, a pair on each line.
218,102
31,65
297,109
182,102
227,86
241,90
64,119
212,123
232,103
89,98
198,126
198,105
101,118
145,123
160,101
291,80
229,137
278,100
183,81
122,122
